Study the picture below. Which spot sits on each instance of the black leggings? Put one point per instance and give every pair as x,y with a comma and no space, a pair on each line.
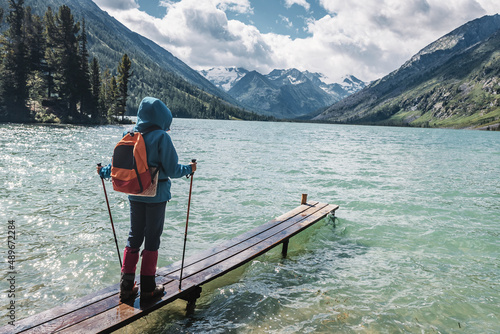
146,224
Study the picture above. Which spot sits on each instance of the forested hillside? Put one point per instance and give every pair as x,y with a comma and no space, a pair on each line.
453,82
97,43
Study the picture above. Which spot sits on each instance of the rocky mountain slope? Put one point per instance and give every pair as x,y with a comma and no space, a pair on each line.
286,93
224,77
453,82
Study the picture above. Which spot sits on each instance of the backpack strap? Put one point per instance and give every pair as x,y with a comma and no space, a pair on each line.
151,129
148,130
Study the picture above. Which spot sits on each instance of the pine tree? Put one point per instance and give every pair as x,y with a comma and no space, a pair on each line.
87,106
108,96
68,57
123,79
112,94
51,63
35,40
95,89
36,50
15,71
63,58
3,115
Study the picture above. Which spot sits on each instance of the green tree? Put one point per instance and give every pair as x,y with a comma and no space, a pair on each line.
35,40
95,89
113,93
36,51
108,96
63,57
68,57
124,75
2,55
51,61
86,103
15,71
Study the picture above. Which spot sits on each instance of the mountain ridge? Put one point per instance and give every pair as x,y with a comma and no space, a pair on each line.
392,100
286,93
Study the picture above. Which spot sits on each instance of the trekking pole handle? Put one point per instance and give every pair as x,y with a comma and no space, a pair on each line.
189,175
99,165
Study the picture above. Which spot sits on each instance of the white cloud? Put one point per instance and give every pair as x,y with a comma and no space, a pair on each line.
303,3
286,21
367,38
200,34
372,38
238,6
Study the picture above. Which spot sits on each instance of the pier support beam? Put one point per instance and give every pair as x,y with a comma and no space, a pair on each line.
284,250
191,296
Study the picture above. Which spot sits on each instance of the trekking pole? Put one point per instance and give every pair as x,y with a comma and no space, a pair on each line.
186,230
111,218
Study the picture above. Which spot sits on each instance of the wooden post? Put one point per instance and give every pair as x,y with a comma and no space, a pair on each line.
191,296
304,199
284,251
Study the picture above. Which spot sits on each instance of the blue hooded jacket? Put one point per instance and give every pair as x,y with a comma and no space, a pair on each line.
159,148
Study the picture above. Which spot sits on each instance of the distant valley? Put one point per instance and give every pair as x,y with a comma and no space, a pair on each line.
287,94
453,82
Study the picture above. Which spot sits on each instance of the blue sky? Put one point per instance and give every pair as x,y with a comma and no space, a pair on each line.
275,17
365,38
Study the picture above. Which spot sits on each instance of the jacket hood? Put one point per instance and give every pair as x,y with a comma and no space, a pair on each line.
153,111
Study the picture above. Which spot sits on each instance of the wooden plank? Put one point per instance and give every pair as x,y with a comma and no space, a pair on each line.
106,321
213,259
256,250
200,269
219,256
230,243
58,311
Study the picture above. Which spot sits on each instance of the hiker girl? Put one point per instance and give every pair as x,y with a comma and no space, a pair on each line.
147,214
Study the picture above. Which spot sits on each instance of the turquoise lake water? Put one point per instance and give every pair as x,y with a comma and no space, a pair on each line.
415,249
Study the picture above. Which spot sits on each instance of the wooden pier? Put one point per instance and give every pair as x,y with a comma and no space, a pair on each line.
102,311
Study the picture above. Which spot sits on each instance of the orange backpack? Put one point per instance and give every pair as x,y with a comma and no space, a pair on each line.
130,172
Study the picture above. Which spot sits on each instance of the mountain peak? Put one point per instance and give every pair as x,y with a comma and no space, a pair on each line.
452,82
283,93
461,38
224,77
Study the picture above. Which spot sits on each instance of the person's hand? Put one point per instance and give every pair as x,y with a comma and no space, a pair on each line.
193,166
98,170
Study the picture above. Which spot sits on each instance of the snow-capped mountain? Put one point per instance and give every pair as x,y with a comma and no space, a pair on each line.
224,77
283,93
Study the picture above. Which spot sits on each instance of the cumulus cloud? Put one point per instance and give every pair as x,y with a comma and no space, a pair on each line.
367,38
200,34
303,3
238,6
372,38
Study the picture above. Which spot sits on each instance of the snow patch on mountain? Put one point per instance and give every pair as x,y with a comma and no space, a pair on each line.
283,93
224,77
